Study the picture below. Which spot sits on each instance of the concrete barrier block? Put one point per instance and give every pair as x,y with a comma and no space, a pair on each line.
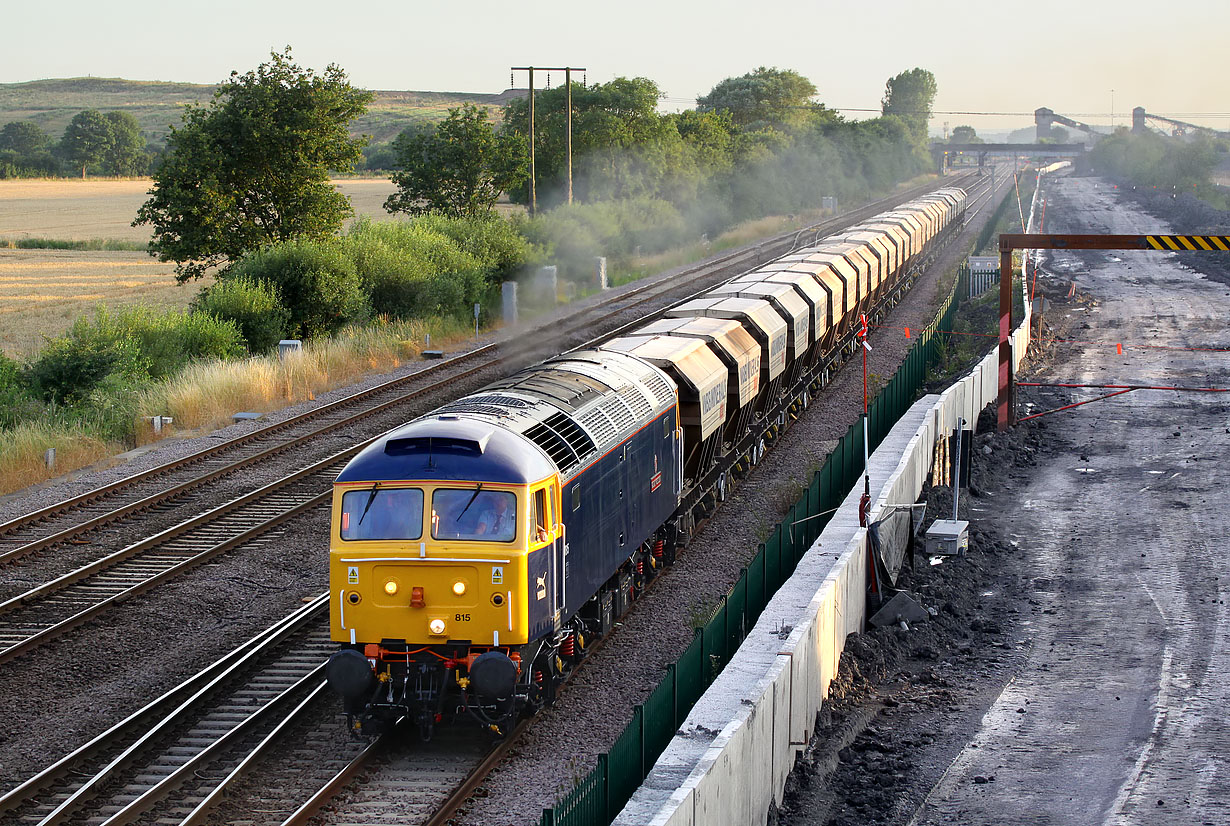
736,782
781,687
735,750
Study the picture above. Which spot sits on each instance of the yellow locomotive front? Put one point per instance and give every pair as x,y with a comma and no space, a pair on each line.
428,563
442,542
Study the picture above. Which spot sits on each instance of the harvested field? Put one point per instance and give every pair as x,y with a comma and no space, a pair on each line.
77,210
43,291
72,209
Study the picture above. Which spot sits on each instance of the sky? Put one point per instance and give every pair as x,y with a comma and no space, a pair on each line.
986,57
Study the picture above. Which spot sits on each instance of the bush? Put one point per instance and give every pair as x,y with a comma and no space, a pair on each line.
17,401
170,341
577,233
496,243
135,343
253,306
70,367
413,271
316,280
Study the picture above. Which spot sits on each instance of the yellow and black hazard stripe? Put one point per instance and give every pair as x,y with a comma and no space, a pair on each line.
1189,242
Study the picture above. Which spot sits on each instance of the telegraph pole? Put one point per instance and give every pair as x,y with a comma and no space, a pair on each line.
568,97
567,70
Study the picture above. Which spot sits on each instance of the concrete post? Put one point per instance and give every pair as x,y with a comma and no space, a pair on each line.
548,283
600,272
508,292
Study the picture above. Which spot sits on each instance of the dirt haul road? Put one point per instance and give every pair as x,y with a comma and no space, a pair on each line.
1118,715
1074,671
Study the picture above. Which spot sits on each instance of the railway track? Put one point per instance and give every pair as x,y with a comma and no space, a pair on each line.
180,767
176,755
176,760
54,607
177,481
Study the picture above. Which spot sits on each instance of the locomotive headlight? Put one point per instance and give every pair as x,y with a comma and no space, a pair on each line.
390,587
436,626
459,588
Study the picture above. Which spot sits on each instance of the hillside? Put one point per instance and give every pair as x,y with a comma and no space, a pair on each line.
157,104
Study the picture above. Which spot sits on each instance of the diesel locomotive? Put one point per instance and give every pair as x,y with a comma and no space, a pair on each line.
478,551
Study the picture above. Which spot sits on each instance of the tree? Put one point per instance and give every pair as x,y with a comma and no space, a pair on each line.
621,146
24,137
126,155
964,134
761,97
87,139
459,168
909,96
252,168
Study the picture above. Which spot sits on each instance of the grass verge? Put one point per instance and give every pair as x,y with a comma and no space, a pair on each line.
105,244
205,395
23,448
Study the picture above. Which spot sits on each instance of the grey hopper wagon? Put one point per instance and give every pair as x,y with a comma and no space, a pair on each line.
701,379
761,321
737,350
793,310
807,287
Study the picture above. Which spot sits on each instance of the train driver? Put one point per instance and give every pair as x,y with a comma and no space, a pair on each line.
497,519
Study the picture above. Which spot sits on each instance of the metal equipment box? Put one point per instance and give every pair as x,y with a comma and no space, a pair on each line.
948,537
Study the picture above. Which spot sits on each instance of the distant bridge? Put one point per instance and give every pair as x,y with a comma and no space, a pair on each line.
945,152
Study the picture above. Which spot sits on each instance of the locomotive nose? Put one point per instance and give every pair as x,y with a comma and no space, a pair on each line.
493,676
350,674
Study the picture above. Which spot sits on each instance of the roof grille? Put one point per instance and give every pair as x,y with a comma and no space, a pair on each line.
500,399
636,400
473,406
562,439
599,424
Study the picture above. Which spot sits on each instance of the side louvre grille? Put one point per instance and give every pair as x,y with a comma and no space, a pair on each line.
562,439
636,401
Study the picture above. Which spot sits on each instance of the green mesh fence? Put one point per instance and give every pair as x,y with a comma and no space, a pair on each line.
598,798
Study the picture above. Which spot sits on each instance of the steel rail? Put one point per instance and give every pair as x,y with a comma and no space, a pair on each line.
87,591
110,750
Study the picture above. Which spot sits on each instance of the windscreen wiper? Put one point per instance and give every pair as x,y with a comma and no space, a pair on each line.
368,506
471,502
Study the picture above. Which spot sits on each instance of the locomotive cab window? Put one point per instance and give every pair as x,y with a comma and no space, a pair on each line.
541,522
474,515
382,513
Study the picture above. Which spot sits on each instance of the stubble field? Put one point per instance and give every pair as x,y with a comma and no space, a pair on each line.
43,291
